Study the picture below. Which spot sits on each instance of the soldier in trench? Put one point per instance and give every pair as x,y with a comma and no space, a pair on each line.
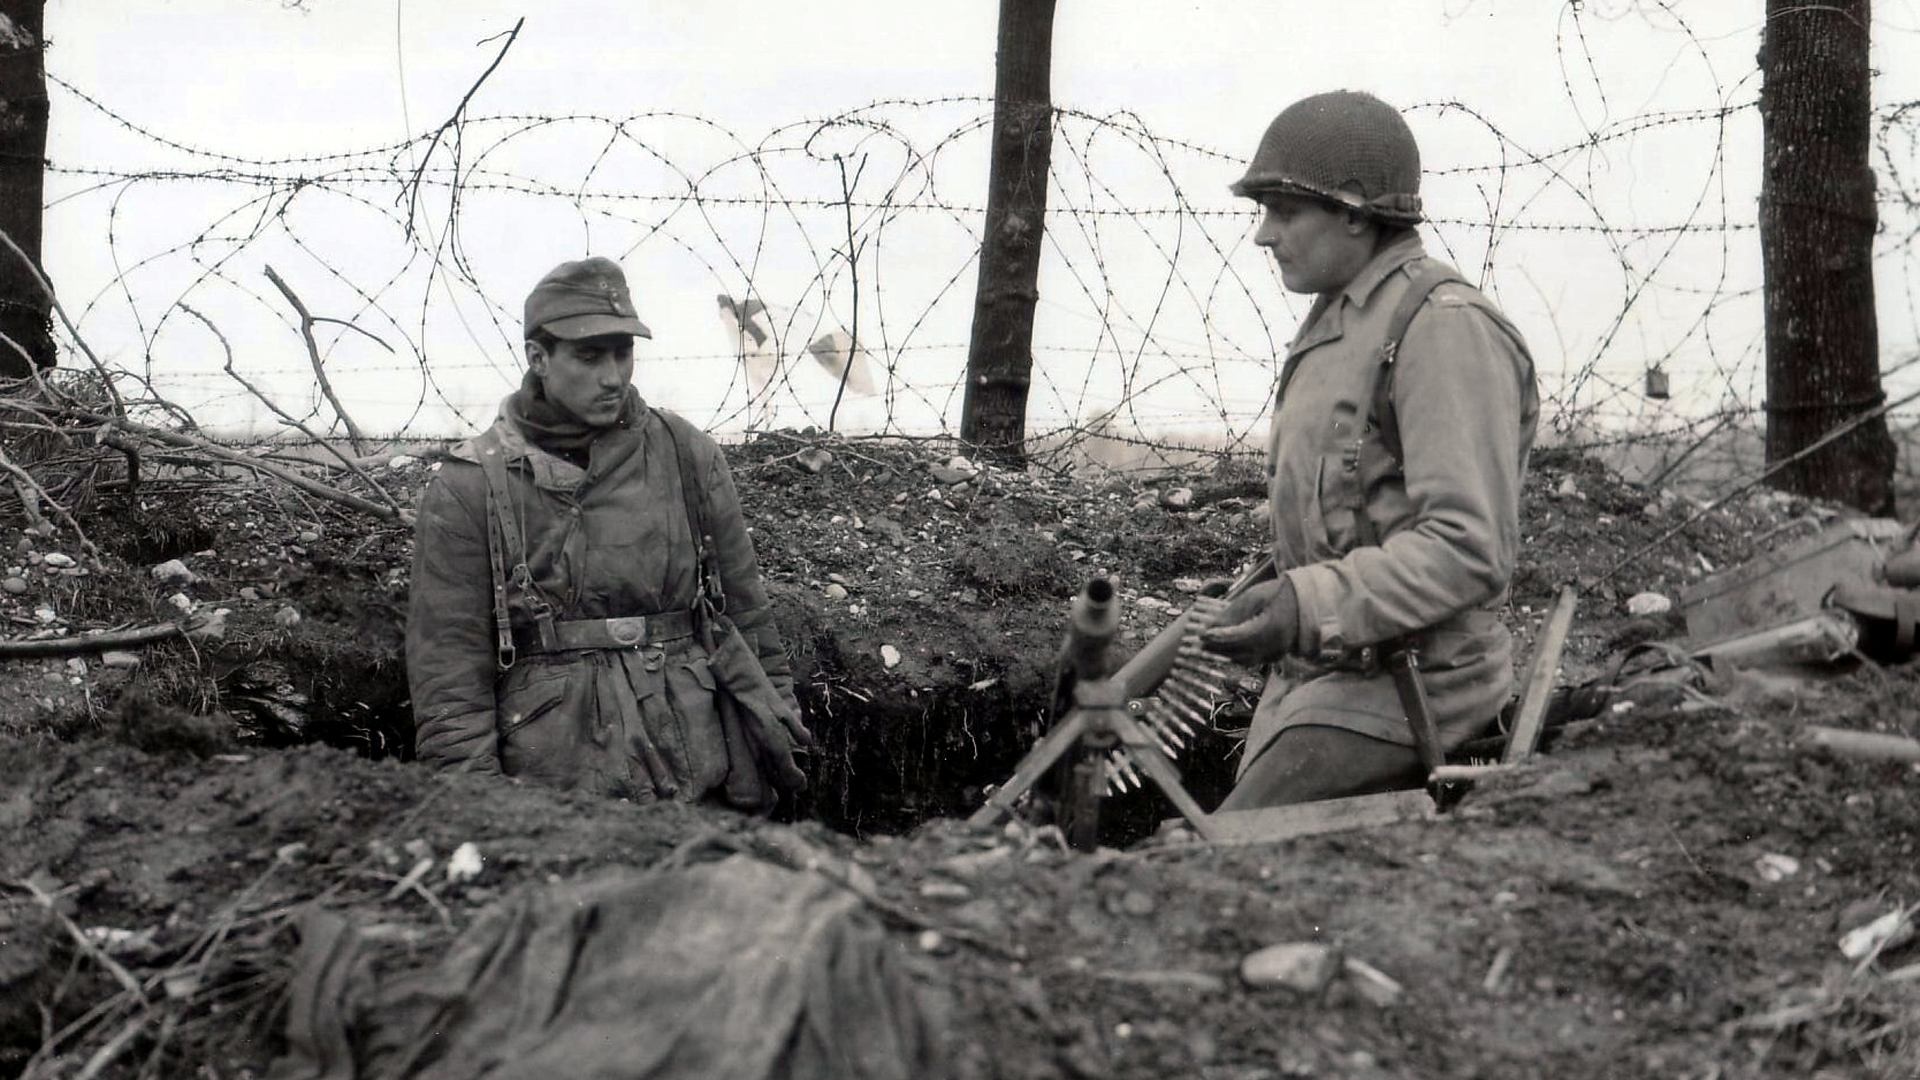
1395,470
587,609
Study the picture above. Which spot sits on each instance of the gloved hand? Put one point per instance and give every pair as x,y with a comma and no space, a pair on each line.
1215,588
1257,626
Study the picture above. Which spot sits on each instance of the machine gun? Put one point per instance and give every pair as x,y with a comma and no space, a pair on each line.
1095,719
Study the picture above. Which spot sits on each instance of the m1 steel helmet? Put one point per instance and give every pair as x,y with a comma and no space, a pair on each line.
1345,147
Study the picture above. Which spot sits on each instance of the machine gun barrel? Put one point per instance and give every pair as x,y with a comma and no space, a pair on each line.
1091,627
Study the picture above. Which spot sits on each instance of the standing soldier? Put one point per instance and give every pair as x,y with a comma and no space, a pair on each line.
586,609
1405,414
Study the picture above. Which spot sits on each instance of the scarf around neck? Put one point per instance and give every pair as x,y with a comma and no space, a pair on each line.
554,429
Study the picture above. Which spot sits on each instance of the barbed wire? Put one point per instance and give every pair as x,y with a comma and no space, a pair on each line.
1160,325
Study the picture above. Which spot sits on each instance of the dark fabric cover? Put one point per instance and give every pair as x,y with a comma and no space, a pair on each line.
737,968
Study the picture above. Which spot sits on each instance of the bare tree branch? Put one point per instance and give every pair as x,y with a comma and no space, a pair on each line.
313,353
285,416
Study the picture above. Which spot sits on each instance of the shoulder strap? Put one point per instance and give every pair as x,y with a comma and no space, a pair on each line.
698,522
1427,276
505,545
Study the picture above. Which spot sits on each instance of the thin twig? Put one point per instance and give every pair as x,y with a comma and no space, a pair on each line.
91,643
106,378
413,186
853,271
287,417
313,354
234,457
120,974
26,482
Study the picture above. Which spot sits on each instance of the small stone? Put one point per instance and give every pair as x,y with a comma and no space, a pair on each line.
945,890
120,659
835,592
400,461
76,666
1648,603
465,863
957,470
1177,498
249,593
58,560
837,579
814,460
309,537
933,941
173,572
1568,489
287,617
23,545
1304,966
181,602
14,585
889,655
1138,904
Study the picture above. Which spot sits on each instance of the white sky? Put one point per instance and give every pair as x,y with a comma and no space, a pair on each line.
251,79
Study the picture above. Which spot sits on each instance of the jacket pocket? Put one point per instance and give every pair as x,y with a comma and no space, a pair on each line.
539,739
1336,492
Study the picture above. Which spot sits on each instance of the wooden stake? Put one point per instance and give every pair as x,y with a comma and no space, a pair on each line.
1539,685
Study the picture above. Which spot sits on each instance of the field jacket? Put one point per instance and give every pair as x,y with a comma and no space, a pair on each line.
607,541
1448,519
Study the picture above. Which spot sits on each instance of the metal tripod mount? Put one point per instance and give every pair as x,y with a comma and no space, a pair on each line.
1092,717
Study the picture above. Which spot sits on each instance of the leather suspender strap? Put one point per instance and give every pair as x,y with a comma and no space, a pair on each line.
501,534
506,552
708,586
1427,276
1400,655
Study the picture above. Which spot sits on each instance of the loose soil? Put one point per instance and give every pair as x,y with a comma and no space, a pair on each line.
1663,898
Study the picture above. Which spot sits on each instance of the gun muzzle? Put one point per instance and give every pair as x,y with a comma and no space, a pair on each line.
1091,627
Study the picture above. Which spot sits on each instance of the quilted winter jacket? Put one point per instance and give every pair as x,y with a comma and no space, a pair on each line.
1449,524
606,541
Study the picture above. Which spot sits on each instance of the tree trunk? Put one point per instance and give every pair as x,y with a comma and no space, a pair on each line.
1000,351
24,309
1817,221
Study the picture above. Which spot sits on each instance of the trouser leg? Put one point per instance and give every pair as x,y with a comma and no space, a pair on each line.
1312,761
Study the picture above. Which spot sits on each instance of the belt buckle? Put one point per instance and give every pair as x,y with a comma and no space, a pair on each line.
628,629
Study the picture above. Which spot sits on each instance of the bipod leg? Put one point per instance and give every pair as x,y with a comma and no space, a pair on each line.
1032,767
1151,761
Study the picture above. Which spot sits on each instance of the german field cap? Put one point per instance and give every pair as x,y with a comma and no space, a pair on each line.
583,299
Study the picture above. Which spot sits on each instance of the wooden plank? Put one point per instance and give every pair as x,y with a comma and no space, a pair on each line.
1276,823
1538,689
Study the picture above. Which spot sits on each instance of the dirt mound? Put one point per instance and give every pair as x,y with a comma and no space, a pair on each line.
1665,899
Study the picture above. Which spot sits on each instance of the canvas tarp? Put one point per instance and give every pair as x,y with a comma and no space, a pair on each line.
736,968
